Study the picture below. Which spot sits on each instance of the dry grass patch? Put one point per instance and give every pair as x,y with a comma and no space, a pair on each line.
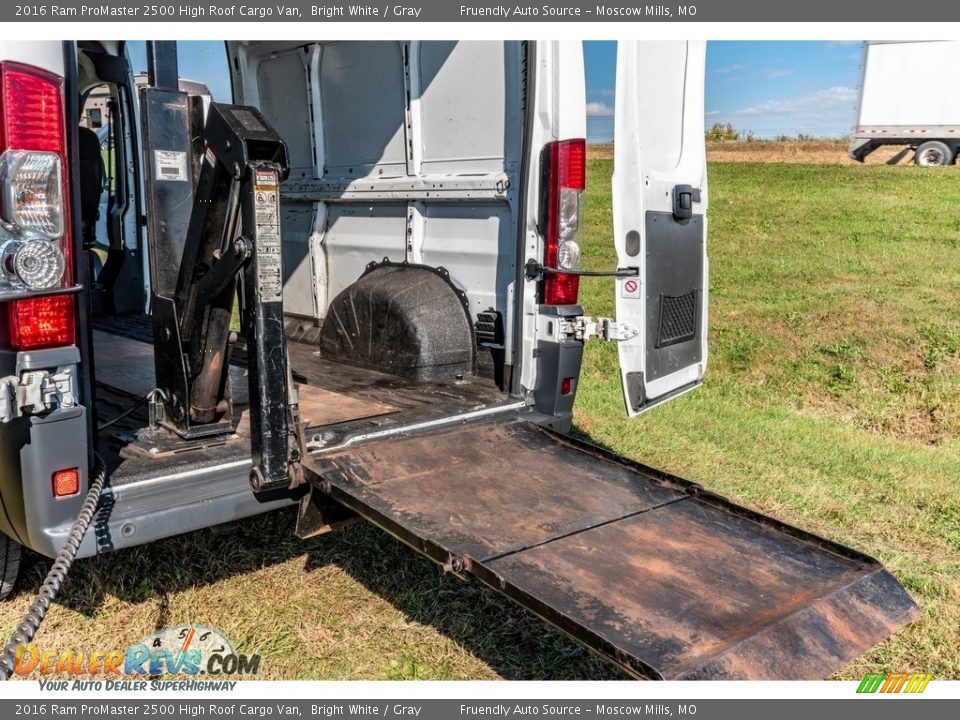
354,604
815,152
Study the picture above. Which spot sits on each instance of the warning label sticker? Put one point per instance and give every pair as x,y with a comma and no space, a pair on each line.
171,165
630,288
267,207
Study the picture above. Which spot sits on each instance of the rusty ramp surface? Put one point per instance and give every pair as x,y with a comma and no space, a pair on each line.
661,577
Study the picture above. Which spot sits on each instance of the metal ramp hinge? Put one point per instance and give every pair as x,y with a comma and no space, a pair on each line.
35,392
588,328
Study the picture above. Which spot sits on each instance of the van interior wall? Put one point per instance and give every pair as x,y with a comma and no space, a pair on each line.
406,151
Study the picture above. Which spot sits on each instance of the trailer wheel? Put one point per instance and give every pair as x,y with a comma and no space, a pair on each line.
933,153
9,565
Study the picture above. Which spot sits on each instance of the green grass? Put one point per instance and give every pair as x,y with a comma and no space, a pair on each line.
832,401
832,398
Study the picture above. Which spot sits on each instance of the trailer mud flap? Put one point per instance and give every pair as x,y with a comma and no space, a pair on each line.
661,577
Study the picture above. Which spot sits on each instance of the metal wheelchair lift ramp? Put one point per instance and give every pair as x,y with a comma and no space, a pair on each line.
661,577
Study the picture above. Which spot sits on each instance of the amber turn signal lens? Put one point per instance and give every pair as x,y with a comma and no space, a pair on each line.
66,482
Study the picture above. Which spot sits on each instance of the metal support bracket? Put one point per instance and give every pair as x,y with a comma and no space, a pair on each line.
536,271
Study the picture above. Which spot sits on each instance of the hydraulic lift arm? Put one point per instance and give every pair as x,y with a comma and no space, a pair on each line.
233,233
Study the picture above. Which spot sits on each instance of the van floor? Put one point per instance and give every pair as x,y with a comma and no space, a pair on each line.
337,401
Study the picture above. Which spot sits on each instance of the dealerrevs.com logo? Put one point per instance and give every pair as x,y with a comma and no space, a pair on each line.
894,683
191,650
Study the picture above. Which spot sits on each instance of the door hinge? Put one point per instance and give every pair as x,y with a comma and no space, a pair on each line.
588,328
35,392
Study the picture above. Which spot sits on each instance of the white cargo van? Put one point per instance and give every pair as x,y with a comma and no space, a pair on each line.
401,224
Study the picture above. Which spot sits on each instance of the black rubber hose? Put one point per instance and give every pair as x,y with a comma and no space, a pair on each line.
126,413
27,628
149,397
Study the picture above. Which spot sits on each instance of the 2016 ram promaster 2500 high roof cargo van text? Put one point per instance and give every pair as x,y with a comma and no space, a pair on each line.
356,290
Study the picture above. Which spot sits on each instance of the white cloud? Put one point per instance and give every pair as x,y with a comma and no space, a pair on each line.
828,111
729,69
778,73
608,92
814,102
599,109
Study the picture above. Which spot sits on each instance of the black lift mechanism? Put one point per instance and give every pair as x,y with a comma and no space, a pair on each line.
233,234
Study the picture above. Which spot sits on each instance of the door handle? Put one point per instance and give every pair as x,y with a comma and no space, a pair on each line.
684,196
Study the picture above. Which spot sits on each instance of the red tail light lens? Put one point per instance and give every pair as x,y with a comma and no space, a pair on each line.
32,104
34,175
39,322
561,289
566,181
571,165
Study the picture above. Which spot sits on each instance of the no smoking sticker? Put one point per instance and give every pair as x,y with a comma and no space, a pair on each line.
630,288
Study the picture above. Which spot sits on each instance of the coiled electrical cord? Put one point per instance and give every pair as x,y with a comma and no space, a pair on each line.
27,628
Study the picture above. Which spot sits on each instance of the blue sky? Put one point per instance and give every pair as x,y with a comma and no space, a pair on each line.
767,88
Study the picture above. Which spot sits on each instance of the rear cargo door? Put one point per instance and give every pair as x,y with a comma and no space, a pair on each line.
659,222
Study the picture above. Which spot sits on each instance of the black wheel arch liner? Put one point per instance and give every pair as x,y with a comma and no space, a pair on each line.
405,319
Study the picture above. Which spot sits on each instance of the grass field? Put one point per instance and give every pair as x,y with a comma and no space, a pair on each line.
833,391
797,151
832,402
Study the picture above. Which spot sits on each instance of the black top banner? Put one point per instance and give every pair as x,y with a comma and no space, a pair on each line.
474,11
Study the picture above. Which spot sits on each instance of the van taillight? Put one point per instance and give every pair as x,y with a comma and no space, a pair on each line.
35,238
38,322
565,180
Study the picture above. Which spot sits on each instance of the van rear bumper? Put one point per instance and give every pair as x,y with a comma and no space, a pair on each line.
160,504
140,512
35,446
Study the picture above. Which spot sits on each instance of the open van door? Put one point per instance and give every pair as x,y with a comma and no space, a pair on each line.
659,219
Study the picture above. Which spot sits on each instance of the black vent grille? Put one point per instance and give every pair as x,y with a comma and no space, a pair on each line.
489,328
678,318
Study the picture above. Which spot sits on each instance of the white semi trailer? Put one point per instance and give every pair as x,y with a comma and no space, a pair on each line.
905,101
